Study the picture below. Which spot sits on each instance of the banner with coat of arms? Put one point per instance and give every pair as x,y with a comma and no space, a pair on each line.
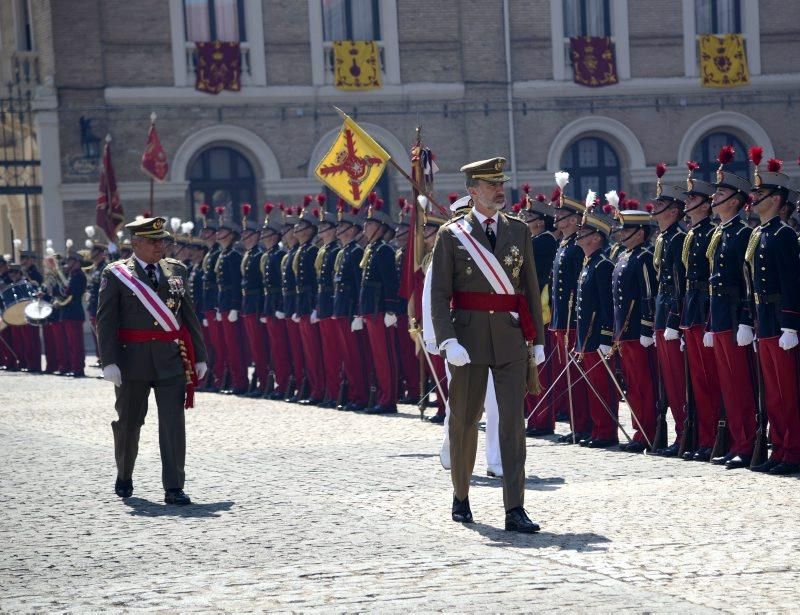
218,67
356,65
593,62
723,61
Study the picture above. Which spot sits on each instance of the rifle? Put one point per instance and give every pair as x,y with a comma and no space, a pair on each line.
688,437
721,442
660,438
760,446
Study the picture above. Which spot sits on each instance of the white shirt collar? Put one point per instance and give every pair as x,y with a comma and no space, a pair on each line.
144,266
482,219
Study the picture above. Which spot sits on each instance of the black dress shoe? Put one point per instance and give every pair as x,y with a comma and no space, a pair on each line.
437,419
275,395
517,520
123,488
601,443
785,468
292,399
584,442
176,497
311,401
736,462
355,407
721,461
766,466
634,446
461,510
688,455
387,409
562,417
538,432
704,454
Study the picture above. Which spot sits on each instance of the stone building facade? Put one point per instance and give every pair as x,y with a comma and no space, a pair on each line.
482,78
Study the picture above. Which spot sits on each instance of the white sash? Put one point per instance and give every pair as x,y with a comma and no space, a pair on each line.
486,261
149,298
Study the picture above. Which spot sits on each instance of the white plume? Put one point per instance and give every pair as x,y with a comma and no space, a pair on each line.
175,224
49,243
562,179
7,257
119,235
50,251
17,242
69,244
612,198
89,231
189,225
423,201
139,218
89,244
590,196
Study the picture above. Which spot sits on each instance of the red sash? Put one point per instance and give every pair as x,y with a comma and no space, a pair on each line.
492,302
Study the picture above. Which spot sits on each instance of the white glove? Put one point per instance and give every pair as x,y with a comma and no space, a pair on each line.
708,339
683,344
606,350
295,318
218,317
112,374
205,322
263,320
431,347
357,324
744,336
671,334
200,369
233,316
280,315
314,318
788,339
456,354
389,320
646,341
538,353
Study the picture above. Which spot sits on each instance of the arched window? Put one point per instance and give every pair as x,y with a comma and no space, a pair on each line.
222,176
592,164
705,152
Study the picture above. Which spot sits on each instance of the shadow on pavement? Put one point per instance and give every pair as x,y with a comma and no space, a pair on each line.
415,455
568,541
532,482
140,507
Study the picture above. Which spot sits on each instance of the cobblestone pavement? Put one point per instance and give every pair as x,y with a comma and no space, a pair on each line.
302,509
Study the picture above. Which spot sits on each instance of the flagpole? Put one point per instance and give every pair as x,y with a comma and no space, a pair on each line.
152,181
108,185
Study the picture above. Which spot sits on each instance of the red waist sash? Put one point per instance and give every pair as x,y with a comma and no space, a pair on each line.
184,339
491,302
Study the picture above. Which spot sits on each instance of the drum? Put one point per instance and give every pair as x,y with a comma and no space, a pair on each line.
16,297
37,312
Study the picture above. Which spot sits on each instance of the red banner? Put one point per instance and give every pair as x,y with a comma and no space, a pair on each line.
109,216
593,62
218,67
154,158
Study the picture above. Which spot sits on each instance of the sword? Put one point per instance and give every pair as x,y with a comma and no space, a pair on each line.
416,331
564,392
569,376
600,399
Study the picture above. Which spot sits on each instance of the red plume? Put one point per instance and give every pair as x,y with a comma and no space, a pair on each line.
649,207
526,188
401,202
692,165
453,196
205,208
147,213
378,203
774,165
541,197
321,198
556,195
517,208
726,154
622,194
755,154
340,204
798,160
307,200
372,197
219,209
315,212
661,168
268,207
632,204
281,206
246,209
749,200
607,209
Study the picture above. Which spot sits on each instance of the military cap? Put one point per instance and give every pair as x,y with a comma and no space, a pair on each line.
538,207
28,254
99,245
772,178
465,202
348,217
726,179
599,220
697,186
375,212
490,170
289,218
249,223
309,215
149,228
222,221
15,268
632,218
673,195
205,209
273,220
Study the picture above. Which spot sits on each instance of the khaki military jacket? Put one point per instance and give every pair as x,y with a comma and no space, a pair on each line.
491,338
118,308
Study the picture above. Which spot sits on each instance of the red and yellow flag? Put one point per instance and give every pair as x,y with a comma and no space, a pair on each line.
154,158
353,164
356,65
723,62
109,216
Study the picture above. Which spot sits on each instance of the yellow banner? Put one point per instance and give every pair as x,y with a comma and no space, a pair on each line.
353,164
723,62
356,65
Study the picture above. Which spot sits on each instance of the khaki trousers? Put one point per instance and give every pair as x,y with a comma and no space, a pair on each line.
467,394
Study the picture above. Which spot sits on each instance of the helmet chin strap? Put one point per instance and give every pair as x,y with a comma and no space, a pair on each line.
725,200
701,203
762,199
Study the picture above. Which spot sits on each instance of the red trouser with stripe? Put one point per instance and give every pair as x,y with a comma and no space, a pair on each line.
545,416
233,357
638,367
383,343
333,353
705,385
355,363
782,398
296,344
7,350
736,383
33,348
18,344
51,347
603,425
312,351
74,351
581,421
256,336
279,352
670,362
218,344
211,354
409,363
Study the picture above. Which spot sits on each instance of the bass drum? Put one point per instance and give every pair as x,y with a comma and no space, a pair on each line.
16,298
37,312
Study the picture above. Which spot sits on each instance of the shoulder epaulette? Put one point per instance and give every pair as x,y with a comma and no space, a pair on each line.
455,219
783,226
744,228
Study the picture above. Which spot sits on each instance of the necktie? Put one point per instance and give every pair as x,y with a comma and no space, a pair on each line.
151,273
490,233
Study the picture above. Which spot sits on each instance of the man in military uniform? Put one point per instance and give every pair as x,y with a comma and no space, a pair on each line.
289,291
30,333
695,315
210,300
252,302
667,212
72,316
333,354
496,316
143,311
773,260
731,317
408,361
99,262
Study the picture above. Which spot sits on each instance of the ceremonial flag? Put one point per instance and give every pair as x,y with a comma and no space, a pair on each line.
411,274
593,62
154,158
218,66
356,65
353,164
723,62
109,215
